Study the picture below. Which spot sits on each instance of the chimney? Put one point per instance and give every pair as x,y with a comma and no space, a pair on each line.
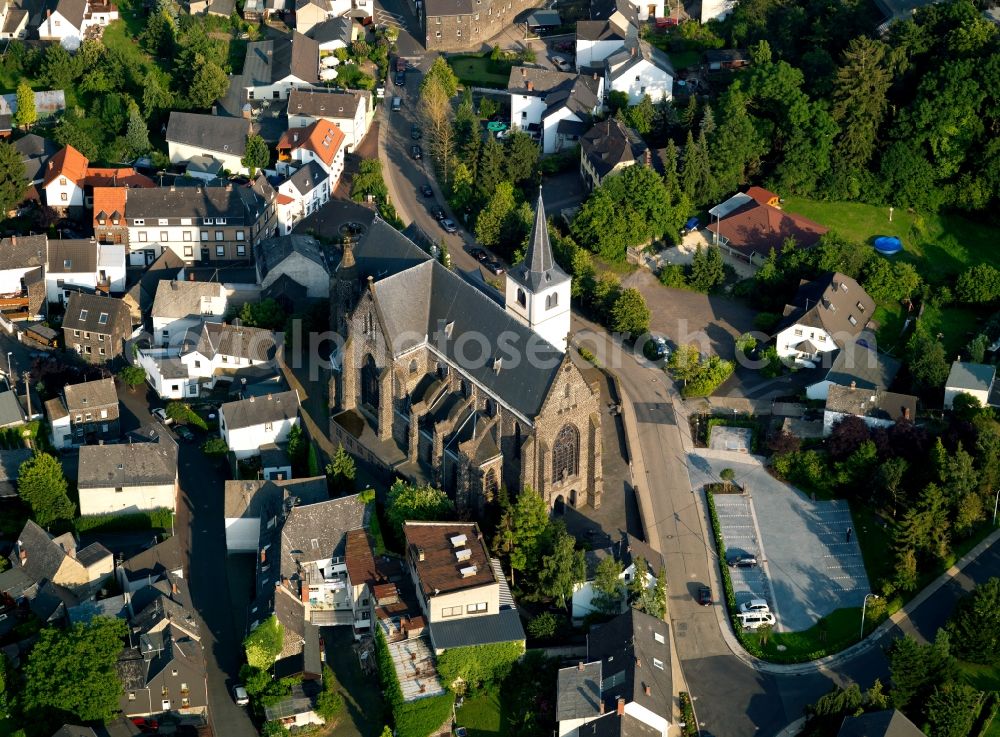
51,166
854,385
906,413
215,110
263,556
602,708
524,72
647,690
420,553
638,663
621,707
579,665
531,85
304,595
24,556
173,588
632,51
595,76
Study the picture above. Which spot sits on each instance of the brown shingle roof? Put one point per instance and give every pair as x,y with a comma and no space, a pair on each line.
756,228
831,302
441,569
871,403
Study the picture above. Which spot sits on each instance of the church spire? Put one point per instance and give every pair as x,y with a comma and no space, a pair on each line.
539,268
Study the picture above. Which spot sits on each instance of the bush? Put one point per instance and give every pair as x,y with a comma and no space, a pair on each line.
329,703
181,412
157,519
672,275
419,718
214,447
478,664
766,322
544,626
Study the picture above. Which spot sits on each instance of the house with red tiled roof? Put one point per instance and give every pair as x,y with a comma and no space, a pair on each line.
109,215
322,142
750,225
70,180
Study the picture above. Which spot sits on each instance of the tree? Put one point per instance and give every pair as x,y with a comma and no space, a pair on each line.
978,284
92,692
60,68
952,709
42,486
329,702
132,376
928,364
341,472
368,182
696,170
267,314
640,117
889,282
636,586
521,155
727,475
915,669
136,132
409,502
974,626
847,436
737,144
214,447
26,114
297,449
208,84
257,155
630,315
263,645
529,520
608,586
562,568
440,74
707,270
13,178
655,599
437,115
491,219
543,626
889,480
72,130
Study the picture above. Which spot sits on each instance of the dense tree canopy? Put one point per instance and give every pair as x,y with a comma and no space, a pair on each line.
408,502
42,485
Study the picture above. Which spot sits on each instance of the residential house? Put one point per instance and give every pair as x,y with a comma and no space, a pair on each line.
637,70
253,508
275,66
35,153
205,168
10,468
69,21
310,13
274,463
13,21
351,111
219,8
108,221
194,134
718,59
209,224
750,228
860,363
11,412
126,478
211,354
974,379
59,560
69,180
163,562
298,708
182,306
463,593
322,142
332,34
876,408
637,10
628,552
139,298
625,685
249,423
96,327
596,40
886,723
73,730
22,276
609,147
83,265
827,313
464,25
554,107
296,257
85,413
304,192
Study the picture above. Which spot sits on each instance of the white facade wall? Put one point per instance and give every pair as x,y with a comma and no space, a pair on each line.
242,535
303,270
592,53
63,192
333,171
550,129
546,312
10,279
525,109
716,9
950,392
55,293
187,240
354,129
832,418
56,28
127,499
245,442
644,715
182,152
302,206
111,262
277,90
61,433
791,336
643,79
648,8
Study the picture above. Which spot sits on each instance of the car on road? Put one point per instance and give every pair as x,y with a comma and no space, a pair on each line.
755,605
184,434
397,103
704,596
479,254
493,266
426,191
755,620
449,225
146,726
240,696
400,79
562,64
415,133
416,152
438,213
161,414
742,561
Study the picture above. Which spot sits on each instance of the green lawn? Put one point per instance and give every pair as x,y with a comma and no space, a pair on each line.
836,631
981,677
479,71
481,715
940,245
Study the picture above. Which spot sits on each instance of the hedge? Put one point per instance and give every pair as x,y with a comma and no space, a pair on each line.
419,718
690,728
157,519
720,547
477,664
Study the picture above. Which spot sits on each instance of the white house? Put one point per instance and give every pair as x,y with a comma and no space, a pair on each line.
298,257
70,263
304,191
858,362
876,408
181,306
63,180
331,34
627,552
321,141
554,107
596,40
827,313
13,21
70,20
975,379
273,67
192,134
350,111
248,424
637,70
716,9
208,355
111,266
125,478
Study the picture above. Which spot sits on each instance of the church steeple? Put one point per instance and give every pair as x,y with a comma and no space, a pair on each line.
538,290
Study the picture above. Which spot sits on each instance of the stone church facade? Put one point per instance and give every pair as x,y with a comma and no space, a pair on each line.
442,384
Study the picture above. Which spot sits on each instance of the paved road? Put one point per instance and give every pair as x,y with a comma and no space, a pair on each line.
199,525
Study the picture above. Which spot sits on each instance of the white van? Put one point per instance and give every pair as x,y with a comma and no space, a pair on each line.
755,620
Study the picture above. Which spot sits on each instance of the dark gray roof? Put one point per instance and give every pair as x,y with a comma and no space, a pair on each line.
271,252
578,691
539,269
10,409
544,18
216,339
829,302
612,725
131,669
92,553
203,165
73,730
209,132
317,531
234,202
275,59
89,394
974,376
602,30
307,178
271,456
113,606
631,547
720,55
611,143
45,555
504,626
73,11
872,403
155,561
888,723
383,250
449,7
634,648
619,63
258,410
167,265
32,145
259,499
333,29
183,298
139,464
860,362
301,700
10,465
72,256
95,313
22,251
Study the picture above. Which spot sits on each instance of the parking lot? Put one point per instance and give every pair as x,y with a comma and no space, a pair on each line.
809,564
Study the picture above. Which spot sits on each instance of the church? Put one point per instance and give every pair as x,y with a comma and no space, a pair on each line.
442,384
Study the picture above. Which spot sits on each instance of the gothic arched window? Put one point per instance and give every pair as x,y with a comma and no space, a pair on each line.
517,439
522,298
566,453
490,485
552,300
369,383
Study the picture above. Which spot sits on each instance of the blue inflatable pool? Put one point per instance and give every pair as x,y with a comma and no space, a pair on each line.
888,245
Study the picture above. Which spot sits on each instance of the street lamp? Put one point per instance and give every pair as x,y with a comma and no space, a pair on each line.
995,503
863,605
10,371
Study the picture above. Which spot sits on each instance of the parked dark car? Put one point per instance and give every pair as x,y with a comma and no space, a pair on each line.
704,596
416,152
742,561
479,254
438,213
400,79
449,225
415,133
493,266
184,434
426,191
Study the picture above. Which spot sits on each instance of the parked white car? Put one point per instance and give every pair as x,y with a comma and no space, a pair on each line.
240,695
755,620
755,605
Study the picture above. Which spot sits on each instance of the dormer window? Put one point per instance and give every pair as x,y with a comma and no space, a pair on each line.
103,319
861,307
843,286
208,221
67,264
83,315
448,329
220,221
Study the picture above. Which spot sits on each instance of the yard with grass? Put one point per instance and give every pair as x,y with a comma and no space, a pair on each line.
982,677
480,71
939,245
481,715
523,702
833,633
